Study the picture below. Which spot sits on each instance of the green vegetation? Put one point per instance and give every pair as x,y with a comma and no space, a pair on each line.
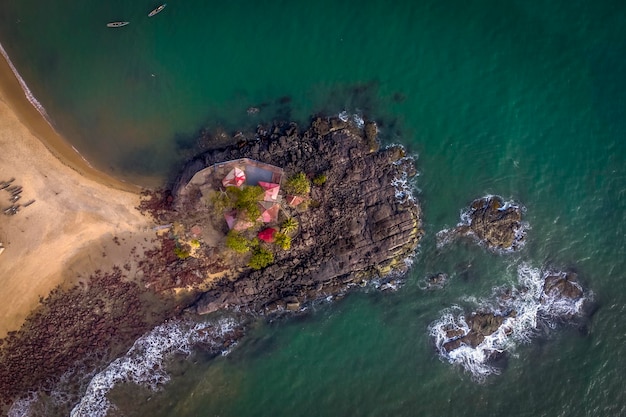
290,225
320,180
298,184
282,240
220,201
246,200
235,241
181,253
304,206
195,243
261,258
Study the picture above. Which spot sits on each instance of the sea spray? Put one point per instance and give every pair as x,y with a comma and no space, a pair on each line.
404,184
356,118
144,363
525,307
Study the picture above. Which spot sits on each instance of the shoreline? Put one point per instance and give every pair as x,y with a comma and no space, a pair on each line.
66,233
12,93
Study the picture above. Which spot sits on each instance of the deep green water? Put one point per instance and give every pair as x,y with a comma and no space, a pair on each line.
522,99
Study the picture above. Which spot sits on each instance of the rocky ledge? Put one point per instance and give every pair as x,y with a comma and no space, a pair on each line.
361,223
491,221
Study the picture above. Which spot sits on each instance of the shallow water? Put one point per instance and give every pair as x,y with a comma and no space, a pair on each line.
517,99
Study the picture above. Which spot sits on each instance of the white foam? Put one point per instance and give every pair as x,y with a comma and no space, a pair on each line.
403,185
358,121
29,95
356,118
445,237
533,307
386,284
23,406
144,363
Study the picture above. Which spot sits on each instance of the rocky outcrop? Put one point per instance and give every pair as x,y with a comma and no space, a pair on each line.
542,300
562,285
361,223
491,221
480,324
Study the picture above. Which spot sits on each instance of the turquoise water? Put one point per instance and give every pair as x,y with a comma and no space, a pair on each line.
522,99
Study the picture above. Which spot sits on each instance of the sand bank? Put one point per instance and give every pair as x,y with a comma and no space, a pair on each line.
77,208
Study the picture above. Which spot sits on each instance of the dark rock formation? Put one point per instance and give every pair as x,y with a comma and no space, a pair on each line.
480,324
552,297
493,222
563,285
362,222
82,326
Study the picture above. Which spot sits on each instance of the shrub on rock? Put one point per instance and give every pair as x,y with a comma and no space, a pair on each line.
320,180
261,258
283,241
298,184
235,241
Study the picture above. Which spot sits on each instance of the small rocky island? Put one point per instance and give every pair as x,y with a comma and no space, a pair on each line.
290,216
279,218
492,222
475,339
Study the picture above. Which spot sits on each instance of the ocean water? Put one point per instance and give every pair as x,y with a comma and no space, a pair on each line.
526,100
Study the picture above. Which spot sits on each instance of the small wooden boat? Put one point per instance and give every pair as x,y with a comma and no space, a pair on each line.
157,10
117,24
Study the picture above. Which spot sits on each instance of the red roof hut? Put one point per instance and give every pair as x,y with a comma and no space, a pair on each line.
267,235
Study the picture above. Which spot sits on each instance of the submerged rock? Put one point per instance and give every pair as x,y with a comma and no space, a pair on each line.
434,282
492,222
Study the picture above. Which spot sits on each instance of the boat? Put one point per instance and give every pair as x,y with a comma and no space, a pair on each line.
157,10
117,24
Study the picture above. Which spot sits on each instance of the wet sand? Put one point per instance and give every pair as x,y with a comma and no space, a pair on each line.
78,210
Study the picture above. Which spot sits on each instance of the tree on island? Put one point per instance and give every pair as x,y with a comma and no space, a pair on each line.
282,240
289,226
238,243
261,258
245,200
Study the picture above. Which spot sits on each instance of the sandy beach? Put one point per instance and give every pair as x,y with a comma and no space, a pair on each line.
68,231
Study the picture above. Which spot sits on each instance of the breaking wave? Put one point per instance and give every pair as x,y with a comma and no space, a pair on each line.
526,309
355,118
23,406
403,184
144,363
29,95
